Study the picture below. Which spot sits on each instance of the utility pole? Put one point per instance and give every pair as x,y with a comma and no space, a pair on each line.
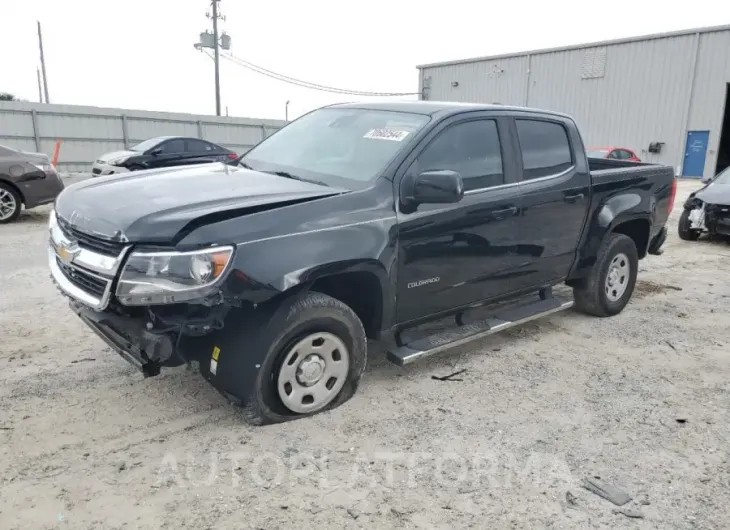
40,89
214,3
216,42
43,62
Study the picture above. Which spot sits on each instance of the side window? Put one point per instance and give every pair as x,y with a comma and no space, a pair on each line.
199,146
173,147
614,155
545,148
626,154
472,149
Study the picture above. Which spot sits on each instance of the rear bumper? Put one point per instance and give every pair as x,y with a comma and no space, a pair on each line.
655,246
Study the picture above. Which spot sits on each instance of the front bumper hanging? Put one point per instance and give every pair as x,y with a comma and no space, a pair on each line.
130,339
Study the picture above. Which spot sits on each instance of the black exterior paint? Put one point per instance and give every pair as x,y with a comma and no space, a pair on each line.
151,159
492,244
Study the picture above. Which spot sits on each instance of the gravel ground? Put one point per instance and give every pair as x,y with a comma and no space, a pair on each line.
640,400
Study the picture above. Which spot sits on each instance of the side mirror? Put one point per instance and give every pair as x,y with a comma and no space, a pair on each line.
156,151
437,187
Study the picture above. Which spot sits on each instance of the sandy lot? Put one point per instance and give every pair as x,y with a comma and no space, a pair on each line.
85,442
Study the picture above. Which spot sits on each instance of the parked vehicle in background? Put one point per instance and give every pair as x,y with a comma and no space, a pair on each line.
354,221
707,210
26,179
613,153
162,151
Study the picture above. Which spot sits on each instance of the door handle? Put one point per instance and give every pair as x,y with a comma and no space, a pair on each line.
574,198
501,214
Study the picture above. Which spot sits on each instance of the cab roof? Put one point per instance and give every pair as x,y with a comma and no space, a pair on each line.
441,108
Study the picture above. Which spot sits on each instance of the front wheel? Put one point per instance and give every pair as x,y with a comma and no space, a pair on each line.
610,284
684,228
315,358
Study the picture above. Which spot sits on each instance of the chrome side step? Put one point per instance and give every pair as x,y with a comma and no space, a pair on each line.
462,334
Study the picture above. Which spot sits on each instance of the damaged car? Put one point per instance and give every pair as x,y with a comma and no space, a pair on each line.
707,210
354,222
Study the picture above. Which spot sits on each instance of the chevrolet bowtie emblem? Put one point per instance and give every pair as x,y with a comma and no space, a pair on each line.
67,251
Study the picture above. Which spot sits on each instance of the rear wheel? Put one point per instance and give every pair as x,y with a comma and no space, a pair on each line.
316,354
10,204
610,284
686,232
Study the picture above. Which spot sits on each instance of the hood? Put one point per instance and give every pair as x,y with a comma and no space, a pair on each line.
116,154
715,193
154,206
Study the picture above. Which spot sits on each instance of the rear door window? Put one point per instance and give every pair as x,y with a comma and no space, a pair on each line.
200,146
545,148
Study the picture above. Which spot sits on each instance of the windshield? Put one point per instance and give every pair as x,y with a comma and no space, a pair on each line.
597,153
723,177
338,147
147,144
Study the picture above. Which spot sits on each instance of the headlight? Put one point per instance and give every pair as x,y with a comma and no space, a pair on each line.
151,278
46,168
117,161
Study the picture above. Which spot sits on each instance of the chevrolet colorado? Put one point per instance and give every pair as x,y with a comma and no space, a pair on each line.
354,221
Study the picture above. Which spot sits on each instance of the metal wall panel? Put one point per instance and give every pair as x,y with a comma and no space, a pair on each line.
706,110
87,132
638,92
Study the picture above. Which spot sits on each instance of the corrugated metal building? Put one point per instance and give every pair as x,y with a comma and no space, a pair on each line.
671,88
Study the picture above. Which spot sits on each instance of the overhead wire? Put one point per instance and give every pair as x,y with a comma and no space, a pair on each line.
306,84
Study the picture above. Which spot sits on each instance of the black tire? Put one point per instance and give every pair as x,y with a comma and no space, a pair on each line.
590,294
683,228
293,320
18,203
135,167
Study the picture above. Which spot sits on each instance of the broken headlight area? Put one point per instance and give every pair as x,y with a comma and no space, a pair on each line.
170,277
717,219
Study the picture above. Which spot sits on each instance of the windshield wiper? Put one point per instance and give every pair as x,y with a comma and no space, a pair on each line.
294,177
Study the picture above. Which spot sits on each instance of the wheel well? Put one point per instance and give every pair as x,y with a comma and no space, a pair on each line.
17,190
638,230
361,291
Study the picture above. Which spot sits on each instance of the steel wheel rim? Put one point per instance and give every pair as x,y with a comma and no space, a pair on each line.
7,204
313,372
617,277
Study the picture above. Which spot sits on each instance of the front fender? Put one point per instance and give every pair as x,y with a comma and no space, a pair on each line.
267,267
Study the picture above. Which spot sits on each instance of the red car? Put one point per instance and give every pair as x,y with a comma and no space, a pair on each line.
615,153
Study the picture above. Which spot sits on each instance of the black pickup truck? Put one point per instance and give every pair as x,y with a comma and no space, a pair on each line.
355,221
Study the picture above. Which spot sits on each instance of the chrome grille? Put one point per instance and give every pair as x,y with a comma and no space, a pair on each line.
97,244
83,279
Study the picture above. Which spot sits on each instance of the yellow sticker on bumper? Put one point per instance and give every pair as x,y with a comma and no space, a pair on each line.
214,360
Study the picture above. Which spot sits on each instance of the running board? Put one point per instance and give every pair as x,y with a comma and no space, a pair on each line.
501,320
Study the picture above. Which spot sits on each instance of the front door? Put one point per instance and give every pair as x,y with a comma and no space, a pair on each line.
556,197
456,254
695,154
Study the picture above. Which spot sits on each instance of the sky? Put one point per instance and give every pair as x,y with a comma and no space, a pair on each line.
139,54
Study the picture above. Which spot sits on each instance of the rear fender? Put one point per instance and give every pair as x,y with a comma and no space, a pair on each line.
614,212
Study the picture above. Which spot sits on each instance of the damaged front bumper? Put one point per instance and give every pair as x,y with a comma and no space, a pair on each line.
131,339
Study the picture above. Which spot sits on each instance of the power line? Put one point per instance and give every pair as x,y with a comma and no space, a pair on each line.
307,84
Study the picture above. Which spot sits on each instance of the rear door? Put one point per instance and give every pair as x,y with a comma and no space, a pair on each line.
555,186
202,152
452,255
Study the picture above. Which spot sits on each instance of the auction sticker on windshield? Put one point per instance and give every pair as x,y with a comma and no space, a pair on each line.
385,133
